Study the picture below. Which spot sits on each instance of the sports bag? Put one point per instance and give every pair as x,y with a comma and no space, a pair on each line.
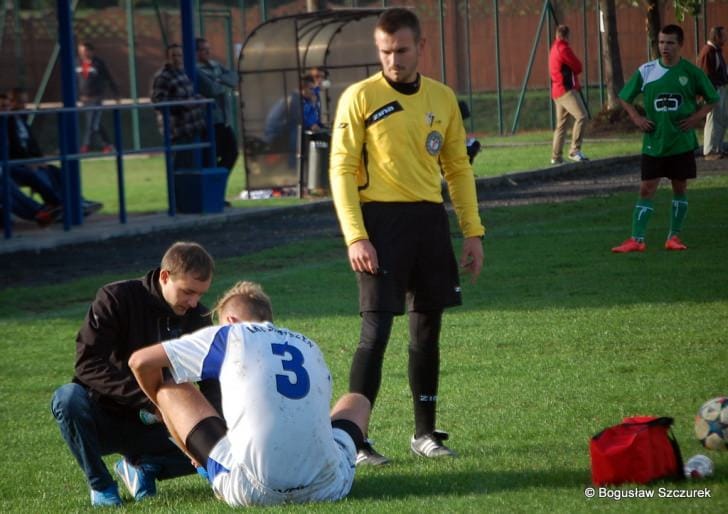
638,450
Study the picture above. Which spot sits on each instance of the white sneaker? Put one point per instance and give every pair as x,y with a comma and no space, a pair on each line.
578,156
558,160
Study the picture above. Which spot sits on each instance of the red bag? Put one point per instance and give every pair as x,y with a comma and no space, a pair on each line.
640,449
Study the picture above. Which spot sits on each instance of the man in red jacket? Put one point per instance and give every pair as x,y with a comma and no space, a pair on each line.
564,68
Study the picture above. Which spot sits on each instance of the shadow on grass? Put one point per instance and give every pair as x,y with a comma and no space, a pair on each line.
443,483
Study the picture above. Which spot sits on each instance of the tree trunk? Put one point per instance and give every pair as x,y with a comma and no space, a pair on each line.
653,26
613,74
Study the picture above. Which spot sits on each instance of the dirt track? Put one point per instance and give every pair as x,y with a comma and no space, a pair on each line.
138,252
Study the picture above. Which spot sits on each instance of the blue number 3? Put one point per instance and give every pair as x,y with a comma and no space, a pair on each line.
294,390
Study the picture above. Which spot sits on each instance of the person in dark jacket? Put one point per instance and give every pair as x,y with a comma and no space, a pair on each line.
711,61
103,410
564,68
93,78
44,179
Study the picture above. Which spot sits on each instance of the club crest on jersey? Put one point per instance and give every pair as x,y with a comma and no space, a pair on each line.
683,80
433,145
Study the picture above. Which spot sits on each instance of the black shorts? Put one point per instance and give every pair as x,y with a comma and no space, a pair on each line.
674,167
416,259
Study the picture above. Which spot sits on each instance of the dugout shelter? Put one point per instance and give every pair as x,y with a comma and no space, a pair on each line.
272,60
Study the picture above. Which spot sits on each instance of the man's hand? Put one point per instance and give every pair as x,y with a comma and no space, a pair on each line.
472,257
363,257
693,121
643,123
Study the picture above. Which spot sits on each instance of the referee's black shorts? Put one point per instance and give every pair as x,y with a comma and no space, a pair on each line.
675,167
416,259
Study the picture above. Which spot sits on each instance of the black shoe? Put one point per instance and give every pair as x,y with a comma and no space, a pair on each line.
89,207
431,446
368,456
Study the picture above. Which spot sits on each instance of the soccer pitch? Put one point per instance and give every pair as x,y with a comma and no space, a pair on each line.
557,340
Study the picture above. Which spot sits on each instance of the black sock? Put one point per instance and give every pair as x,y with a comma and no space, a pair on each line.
424,368
365,376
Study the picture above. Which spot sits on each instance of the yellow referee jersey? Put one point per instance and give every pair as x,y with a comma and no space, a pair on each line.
391,147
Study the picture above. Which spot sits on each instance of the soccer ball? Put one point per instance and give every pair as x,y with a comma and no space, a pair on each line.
711,424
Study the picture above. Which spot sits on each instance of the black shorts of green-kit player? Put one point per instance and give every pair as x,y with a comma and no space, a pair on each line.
675,167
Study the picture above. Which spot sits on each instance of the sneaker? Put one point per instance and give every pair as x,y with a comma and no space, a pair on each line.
713,156
431,446
578,156
108,497
557,160
630,245
89,207
368,456
202,471
47,215
674,243
139,480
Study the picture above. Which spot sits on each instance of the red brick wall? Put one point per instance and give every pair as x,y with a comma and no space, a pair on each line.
106,28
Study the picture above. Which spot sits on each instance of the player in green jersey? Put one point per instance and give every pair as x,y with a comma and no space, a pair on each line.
670,86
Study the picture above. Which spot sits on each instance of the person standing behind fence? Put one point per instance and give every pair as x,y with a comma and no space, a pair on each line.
712,63
93,77
396,135
564,68
186,122
670,86
216,82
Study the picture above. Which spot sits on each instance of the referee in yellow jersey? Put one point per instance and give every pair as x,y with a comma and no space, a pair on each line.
395,136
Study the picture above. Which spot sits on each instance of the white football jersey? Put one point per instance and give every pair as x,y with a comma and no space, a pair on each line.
276,393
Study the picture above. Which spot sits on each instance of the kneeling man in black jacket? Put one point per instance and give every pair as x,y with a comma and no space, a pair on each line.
103,410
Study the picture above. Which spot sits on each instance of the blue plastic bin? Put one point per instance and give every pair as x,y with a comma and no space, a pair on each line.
200,191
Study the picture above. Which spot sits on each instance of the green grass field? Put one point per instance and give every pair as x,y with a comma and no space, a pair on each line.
145,179
558,340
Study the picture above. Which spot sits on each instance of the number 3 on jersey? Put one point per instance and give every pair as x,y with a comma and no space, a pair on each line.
293,390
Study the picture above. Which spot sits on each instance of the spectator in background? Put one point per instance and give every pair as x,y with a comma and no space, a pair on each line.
564,68
93,77
103,410
217,82
712,63
311,104
45,179
321,81
26,208
187,122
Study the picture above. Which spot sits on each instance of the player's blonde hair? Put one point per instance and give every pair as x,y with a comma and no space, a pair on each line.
249,299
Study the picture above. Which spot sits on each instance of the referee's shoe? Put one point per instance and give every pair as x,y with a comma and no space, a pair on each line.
430,445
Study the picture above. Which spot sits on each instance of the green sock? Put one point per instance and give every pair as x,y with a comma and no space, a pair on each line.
640,216
678,212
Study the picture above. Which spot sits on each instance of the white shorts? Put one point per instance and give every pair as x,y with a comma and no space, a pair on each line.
238,487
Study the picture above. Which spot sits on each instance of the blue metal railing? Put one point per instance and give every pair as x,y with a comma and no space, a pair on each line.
168,149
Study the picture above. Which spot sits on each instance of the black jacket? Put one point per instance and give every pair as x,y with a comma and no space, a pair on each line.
98,77
16,148
124,317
